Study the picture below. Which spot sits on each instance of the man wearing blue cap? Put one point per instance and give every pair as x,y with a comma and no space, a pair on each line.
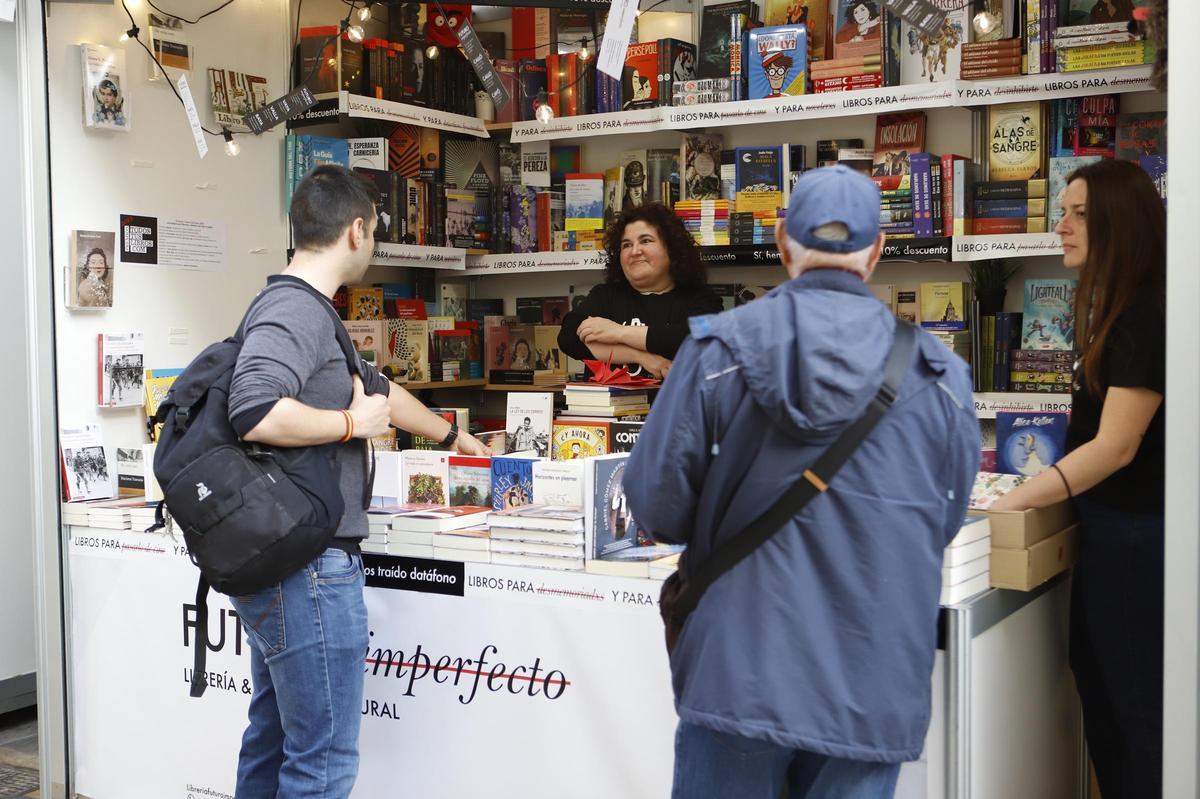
808,663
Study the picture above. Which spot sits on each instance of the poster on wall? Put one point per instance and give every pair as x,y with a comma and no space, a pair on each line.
105,88
235,95
172,242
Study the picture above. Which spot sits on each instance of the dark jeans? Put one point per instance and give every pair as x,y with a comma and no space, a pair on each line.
1117,646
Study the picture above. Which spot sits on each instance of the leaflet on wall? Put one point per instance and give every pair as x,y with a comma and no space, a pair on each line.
105,90
235,95
172,242
170,45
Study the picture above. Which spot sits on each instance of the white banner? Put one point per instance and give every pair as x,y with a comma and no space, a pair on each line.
388,254
357,105
574,261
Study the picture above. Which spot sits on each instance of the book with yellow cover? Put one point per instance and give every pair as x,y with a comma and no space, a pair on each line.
1016,144
579,438
366,303
943,306
158,382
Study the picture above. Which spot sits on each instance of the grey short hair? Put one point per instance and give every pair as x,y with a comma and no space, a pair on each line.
858,262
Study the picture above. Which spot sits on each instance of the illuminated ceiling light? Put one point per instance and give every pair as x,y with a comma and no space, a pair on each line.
432,52
232,148
356,33
542,109
584,53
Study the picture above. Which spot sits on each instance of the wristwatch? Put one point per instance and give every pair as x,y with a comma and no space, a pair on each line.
451,437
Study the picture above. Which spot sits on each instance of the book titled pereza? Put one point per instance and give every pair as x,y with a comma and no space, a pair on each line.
897,137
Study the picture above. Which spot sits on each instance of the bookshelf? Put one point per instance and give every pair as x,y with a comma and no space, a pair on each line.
544,389
469,383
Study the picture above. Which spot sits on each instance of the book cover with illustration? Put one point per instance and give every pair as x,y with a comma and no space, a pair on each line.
778,61
1096,125
632,180
1049,316
470,480
858,29
90,275
512,480
1028,443
715,34
425,476
943,306
235,95
85,474
368,340
120,369
609,526
931,59
897,137
528,422
521,207
812,14
578,438
639,78
105,88
408,350
662,176
700,164
1141,134
471,164
1016,149
366,303
386,208
759,169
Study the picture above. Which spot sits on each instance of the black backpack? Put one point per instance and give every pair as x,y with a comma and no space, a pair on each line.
250,514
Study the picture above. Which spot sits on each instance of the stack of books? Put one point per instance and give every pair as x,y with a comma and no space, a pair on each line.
546,377
752,228
1100,46
707,220
379,525
843,74
896,212
111,515
75,514
142,518
470,545
412,533
1041,370
995,59
1010,206
965,562
542,536
607,402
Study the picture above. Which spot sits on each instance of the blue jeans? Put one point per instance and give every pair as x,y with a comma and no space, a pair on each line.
307,636
722,766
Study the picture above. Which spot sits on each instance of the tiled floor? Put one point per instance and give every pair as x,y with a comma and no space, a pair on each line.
19,755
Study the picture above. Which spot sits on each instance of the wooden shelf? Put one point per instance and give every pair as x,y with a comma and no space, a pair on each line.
469,383
500,126
543,389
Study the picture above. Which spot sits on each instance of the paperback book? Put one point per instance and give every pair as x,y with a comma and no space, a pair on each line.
120,370
512,480
1049,315
1029,443
529,421
778,61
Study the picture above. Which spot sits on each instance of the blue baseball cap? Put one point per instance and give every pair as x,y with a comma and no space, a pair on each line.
832,195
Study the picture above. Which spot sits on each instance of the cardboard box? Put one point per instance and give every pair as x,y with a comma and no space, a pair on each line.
1023,529
1026,569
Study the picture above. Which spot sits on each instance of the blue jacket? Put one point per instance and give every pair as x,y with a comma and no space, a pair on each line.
823,639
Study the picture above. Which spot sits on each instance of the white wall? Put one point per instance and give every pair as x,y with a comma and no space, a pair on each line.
155,170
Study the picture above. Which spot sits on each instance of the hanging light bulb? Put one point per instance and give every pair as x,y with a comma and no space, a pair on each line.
364,13
132,33
432,52
584,53
542,110
232,148
356,33
637,12
985,21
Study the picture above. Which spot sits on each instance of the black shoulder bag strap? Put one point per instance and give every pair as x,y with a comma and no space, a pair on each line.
816,480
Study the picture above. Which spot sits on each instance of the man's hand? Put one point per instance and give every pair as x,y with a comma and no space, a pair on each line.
467,444
370,413
598,330
656,365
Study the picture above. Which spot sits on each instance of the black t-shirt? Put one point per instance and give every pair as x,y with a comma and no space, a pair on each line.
666,315
1135,356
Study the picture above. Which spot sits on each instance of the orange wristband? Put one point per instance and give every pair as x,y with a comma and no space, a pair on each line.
349,427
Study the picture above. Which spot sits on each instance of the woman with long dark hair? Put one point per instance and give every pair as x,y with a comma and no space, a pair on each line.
654,281
1114,232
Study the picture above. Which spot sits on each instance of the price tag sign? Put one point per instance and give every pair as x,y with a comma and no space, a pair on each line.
482,64
285,108
920,14
616,37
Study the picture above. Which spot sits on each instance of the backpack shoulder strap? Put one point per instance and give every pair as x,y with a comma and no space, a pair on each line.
353,361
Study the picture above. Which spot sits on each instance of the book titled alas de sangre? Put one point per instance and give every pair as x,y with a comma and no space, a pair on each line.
1049,317
1015,147
897,137
778,60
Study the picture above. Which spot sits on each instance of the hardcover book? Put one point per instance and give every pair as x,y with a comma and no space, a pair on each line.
533,80
1049,316
120,371
677,65
470,480
471,164
1028,443
577,438
897,136
1016,148
529,419
812,14
625,435
778,61
715,36
700,162
366,302
425,475
759,169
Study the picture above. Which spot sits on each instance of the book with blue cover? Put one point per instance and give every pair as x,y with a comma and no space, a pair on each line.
778,60
1028,443
1156,167
609,523
512,480
759,168
1049,316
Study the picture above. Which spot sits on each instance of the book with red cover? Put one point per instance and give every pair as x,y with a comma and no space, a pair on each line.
407,309
639,79
562,79
897,136
1096,125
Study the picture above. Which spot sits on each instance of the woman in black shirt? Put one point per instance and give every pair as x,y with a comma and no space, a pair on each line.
1114,232
654,281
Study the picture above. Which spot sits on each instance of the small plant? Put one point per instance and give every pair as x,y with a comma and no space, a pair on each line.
989,283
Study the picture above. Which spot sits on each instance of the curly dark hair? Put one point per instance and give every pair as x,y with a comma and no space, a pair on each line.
687,270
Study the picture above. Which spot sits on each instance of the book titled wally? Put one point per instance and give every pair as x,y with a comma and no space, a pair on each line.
778,60
1028,443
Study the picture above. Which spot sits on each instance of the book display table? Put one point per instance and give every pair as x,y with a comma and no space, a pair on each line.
483,679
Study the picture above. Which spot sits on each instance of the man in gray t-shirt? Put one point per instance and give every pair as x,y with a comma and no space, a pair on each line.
292,388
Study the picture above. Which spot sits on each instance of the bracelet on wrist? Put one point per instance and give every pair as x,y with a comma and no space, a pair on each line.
349,427
451,436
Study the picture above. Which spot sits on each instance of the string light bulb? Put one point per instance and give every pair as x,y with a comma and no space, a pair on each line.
542,109
232,148
985,21
432,52
132,33
356,33
364,13
584,53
